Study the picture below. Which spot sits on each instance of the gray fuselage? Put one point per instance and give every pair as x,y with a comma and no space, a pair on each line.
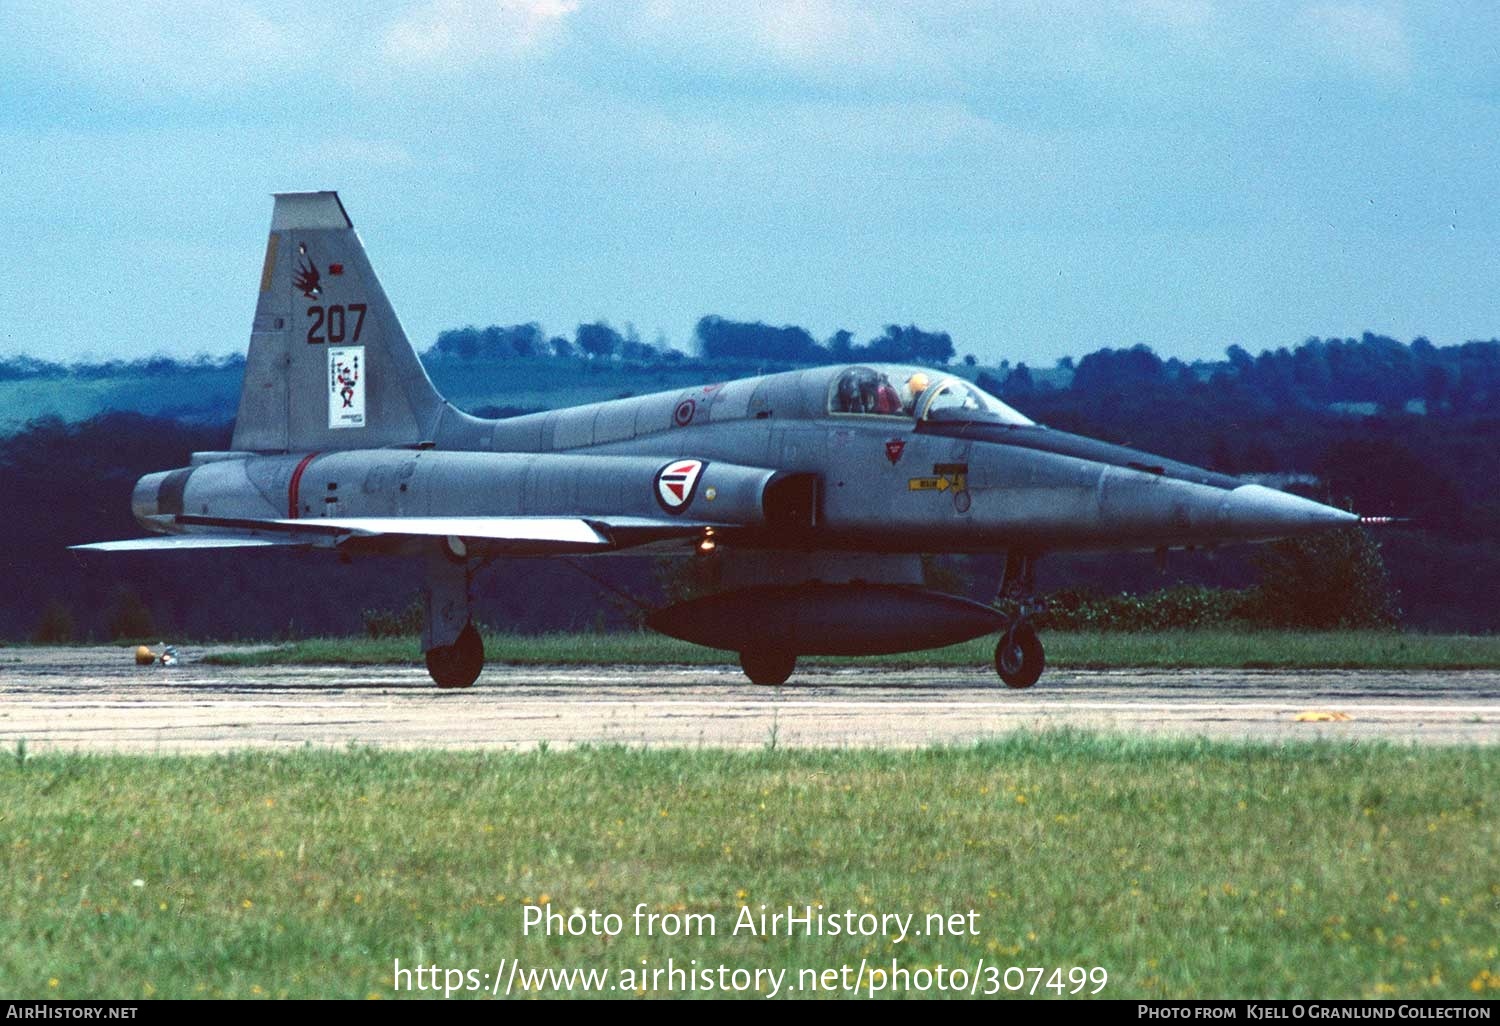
895,482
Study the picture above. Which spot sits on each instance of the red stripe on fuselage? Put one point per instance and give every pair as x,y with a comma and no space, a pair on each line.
291,489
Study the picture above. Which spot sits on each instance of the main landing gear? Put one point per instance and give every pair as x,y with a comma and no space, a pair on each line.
457,665
455,651
768,667
1019,656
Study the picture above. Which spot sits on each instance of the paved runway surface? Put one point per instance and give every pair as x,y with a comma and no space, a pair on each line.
95,699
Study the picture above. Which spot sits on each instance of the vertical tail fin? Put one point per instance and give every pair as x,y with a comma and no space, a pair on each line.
329,366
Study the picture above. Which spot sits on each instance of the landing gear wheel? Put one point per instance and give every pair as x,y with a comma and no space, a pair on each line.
769,668
457,665
1019,657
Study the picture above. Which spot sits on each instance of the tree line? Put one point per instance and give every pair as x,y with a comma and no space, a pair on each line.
716,339
28,368
1375,371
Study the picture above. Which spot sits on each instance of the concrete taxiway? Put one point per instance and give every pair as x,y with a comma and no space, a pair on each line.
95,699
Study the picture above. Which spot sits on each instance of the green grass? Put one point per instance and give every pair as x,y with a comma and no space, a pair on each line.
1102,650
1186,869
211,392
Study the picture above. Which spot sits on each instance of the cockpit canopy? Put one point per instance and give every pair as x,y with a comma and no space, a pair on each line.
886,390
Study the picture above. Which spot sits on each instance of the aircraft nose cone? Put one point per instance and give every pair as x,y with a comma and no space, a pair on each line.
1254,511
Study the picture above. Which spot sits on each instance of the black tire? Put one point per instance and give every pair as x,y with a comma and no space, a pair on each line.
1022,665
769,668
457,665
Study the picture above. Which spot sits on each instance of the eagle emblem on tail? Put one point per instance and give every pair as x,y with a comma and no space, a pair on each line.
307,280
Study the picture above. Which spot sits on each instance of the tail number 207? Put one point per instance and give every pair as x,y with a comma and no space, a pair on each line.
329,323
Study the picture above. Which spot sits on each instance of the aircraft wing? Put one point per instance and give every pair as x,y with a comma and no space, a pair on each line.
181,542
515,535
560,530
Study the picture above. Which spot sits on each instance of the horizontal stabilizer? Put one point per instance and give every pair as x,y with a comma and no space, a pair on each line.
181,542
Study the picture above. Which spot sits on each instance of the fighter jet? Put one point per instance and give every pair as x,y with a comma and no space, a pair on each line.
815,492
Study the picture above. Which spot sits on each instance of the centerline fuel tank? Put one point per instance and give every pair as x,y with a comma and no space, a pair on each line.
857,618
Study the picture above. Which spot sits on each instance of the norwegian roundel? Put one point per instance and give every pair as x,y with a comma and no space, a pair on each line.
676,482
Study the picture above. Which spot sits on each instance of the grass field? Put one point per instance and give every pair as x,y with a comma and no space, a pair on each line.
211,393
1099,650
1182,868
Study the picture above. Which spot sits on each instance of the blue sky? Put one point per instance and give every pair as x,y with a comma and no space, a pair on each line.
1037,178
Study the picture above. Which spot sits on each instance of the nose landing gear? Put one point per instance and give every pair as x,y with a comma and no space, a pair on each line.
1019,656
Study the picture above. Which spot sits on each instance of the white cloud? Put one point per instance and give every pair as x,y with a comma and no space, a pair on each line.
186,47
815,38
1369,38
830,30
465,32
212,48
936,48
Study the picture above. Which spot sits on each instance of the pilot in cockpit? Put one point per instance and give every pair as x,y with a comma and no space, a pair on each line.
862,390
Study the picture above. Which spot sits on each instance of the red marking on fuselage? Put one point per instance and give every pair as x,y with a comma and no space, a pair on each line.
296,482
